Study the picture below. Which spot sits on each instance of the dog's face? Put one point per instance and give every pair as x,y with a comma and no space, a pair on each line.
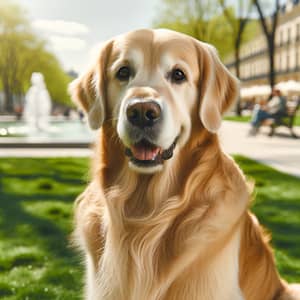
152,82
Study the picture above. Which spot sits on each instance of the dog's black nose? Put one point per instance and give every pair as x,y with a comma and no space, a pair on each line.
143,113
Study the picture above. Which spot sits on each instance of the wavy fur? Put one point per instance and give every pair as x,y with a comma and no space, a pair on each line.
181,234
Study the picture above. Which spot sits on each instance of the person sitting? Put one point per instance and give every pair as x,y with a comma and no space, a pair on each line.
274,109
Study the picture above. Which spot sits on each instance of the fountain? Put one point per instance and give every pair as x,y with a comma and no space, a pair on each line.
37,106
38,129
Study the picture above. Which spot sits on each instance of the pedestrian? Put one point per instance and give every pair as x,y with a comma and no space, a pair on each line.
274,109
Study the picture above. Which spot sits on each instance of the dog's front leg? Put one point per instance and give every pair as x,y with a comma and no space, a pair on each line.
91,285
88,235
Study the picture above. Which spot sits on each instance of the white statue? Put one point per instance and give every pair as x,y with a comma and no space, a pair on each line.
37,104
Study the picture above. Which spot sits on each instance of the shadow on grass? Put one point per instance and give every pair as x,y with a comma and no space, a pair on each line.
277,206
36,199
37,196
43,231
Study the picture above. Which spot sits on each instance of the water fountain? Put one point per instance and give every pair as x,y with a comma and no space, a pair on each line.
37,106
38,129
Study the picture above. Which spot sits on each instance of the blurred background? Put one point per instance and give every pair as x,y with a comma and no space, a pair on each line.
257,40
45,143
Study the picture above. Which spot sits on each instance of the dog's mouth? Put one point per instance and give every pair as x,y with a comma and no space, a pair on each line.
146,154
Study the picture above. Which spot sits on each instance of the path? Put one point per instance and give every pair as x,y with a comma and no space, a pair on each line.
281,152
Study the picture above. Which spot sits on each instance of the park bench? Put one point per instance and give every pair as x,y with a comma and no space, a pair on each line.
286,121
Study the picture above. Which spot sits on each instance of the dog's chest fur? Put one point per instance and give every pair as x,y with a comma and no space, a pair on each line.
130,269
217,280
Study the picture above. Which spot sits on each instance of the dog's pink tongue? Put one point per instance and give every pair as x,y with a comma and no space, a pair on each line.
144,153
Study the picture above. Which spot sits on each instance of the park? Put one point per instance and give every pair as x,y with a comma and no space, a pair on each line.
47,147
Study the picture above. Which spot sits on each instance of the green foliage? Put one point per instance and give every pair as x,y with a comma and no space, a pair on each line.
56,79
198,19
36,202
22,53
203,20
12,16
251,31
236,15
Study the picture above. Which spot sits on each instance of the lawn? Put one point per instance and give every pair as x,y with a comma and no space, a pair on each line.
36,261
238,118
248,118
36,198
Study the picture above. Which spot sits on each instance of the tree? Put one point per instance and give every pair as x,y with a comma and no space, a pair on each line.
12,24
200,19
269,25
207,21
22,53
56,79
237,22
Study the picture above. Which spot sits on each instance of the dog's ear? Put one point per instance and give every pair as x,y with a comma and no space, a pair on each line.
89,90
218,87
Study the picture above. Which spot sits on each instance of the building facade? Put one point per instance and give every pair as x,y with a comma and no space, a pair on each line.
254,60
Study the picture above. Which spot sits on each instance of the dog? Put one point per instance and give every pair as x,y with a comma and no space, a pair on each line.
165,216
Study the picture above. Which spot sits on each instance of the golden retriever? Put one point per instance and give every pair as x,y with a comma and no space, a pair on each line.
165,216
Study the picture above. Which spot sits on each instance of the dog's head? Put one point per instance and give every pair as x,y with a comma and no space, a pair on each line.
155,84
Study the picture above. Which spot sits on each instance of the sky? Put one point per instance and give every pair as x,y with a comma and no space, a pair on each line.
73,28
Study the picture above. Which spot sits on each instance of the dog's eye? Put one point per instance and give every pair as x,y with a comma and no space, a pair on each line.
123,73
177,76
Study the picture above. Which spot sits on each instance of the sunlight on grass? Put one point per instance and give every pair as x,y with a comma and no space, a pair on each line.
277,206
36,260
37,195
246,119
238,118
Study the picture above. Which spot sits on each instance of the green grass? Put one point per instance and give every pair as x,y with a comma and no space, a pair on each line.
36,199
248,118
277,206
238,118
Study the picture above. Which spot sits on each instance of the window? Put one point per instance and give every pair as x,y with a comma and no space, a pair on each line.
281,38
297,58
289,35
279,62
298,32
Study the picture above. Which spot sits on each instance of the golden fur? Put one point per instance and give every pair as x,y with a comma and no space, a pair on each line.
184,232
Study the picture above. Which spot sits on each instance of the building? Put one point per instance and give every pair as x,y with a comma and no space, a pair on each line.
254,61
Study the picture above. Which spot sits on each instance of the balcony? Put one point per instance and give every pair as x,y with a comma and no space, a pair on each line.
277,73
254,77
249,57
288,70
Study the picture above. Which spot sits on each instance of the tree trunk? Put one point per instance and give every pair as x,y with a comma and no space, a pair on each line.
237,62
237,58
272,74
238,109
270,37
8,100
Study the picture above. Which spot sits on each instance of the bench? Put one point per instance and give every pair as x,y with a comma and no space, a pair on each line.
286,121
